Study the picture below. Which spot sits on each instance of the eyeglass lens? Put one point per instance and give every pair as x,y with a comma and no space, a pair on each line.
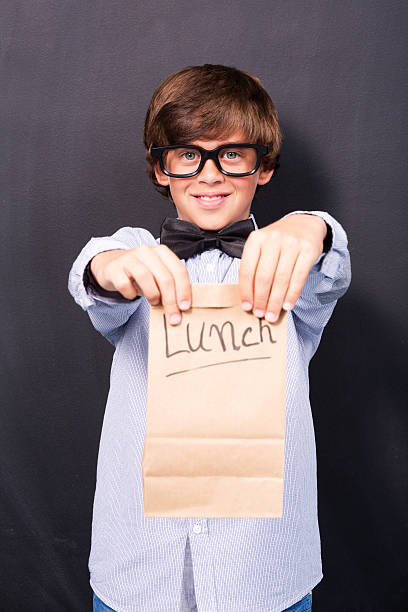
184,161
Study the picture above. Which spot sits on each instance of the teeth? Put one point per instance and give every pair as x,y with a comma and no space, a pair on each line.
209,198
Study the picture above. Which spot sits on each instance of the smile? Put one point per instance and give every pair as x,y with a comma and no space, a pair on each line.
207,200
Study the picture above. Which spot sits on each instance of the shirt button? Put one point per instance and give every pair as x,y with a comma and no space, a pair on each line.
197,528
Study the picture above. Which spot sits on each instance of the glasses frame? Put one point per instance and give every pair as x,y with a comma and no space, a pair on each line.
210,154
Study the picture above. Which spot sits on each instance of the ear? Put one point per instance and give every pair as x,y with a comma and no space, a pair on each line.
162,178
264,176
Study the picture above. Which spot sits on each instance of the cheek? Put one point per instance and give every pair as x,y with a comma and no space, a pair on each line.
176,187
181,185
245,184
247,187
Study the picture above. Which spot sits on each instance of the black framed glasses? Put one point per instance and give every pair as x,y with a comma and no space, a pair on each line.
233,159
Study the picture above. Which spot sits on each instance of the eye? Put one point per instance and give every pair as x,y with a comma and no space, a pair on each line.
231,155
189,155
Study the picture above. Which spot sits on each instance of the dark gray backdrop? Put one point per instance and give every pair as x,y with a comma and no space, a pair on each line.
76,81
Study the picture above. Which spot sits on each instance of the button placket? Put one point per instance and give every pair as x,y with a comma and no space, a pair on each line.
199,526
203,566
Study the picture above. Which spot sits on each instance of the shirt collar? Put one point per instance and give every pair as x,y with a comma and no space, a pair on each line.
251,216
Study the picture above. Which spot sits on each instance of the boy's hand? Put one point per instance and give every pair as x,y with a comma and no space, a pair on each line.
153,271
276,261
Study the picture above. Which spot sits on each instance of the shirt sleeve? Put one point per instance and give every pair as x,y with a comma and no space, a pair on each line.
109,311
328,279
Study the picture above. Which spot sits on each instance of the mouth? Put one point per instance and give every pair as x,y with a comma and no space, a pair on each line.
210,200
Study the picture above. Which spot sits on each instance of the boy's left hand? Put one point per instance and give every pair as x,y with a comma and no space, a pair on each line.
276,261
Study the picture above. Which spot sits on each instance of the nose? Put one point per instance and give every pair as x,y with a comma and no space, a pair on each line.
210,173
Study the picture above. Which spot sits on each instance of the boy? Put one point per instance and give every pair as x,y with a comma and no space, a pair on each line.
300,263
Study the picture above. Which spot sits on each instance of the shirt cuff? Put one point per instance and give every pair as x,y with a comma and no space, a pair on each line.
84,292
90,281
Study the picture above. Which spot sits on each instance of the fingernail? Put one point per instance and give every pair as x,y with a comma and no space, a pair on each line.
287,306
271,317
258,312
184,305
246,305
175,318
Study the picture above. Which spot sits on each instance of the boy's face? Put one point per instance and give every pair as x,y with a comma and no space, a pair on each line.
235,193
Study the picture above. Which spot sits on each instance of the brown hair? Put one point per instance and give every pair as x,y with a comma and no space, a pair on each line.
206,102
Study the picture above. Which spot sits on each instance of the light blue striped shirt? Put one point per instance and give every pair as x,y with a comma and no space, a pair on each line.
239,564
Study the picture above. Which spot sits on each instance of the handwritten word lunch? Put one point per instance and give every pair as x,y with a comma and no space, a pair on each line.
223,332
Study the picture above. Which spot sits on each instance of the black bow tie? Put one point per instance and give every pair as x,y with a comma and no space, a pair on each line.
186,239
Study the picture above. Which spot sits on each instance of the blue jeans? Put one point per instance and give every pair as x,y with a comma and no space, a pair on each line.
304,605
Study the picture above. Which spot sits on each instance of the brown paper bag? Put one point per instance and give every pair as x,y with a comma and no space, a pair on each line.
214,444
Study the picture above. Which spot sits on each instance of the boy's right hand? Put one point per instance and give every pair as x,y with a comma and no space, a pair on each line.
153,271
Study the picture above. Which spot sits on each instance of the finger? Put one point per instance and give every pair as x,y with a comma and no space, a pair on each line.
121,272
281,281
142,281
300,273
165,281
145,266
180,275
249,260
264,276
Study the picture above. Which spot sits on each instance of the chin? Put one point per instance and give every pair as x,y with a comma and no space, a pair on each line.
214,223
